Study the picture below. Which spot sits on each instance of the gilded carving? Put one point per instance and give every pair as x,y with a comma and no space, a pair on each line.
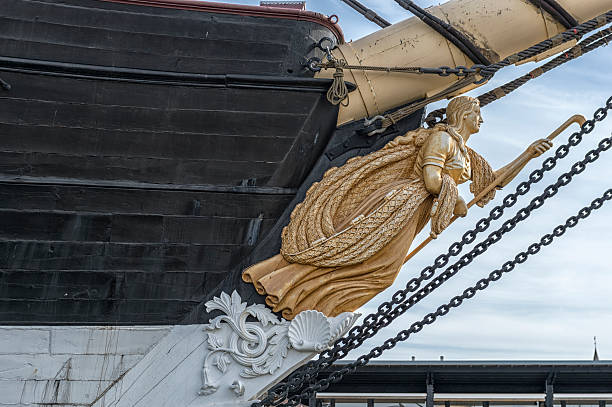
347,240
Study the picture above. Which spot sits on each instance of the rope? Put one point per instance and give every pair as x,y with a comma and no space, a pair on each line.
589,44
367,13
557,11
571,34
338,92
485,72
447,31
460,71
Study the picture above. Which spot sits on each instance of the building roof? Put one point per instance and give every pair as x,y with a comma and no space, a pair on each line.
476,377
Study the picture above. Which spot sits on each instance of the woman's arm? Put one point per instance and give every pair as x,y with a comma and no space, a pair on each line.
536,149
432,176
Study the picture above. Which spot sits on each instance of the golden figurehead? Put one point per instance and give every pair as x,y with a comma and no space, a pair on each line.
347,240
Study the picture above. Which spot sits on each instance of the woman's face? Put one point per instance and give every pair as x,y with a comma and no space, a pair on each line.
473,120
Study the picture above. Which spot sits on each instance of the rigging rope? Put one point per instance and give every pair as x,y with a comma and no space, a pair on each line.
589,44
367,13
447,31
486,72
557,11
573,33
390,310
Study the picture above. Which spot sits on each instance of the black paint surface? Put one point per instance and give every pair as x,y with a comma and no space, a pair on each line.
127,201
127,198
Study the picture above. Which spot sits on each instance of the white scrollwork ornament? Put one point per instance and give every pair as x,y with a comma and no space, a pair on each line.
261,344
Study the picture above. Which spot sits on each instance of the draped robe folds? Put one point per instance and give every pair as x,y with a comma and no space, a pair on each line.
347,240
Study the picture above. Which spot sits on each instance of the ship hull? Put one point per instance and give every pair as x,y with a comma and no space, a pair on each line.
145,152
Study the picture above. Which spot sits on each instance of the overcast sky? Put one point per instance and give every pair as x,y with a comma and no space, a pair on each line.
551,306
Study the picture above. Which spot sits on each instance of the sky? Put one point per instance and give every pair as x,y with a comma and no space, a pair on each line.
550,307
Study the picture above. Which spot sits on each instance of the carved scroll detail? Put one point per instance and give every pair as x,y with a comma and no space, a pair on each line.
260,345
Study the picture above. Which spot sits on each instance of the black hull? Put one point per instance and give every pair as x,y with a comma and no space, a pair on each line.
148,154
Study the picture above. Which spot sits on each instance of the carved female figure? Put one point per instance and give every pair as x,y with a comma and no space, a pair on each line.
347,240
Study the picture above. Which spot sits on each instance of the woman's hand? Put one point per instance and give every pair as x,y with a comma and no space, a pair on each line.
539,147
460,207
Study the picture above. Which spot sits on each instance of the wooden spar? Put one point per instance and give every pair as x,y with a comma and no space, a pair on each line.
525,157
497,28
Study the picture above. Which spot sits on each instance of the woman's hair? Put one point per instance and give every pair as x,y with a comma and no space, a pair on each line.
457,108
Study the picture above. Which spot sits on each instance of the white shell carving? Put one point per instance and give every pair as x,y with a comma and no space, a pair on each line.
310,331
248,341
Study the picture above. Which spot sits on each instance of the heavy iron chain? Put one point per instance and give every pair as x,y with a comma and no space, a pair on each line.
316,65
456,301
399,303
326,45
4,84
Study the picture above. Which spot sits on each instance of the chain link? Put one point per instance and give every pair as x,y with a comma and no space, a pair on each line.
399,304
456,301
315,64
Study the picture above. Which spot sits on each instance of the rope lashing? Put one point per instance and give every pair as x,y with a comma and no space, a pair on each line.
485,72
338,91
569,35
589,44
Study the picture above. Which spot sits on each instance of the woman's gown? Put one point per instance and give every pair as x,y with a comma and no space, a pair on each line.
291,288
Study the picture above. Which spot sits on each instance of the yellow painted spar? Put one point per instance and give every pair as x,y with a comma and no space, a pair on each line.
498,27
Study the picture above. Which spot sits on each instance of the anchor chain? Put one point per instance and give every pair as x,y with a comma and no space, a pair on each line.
399,303
456,301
